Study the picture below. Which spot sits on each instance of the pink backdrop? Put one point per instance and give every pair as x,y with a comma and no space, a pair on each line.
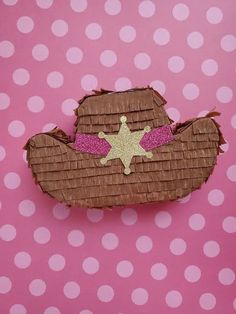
177,257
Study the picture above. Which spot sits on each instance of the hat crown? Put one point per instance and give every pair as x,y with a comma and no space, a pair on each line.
102,111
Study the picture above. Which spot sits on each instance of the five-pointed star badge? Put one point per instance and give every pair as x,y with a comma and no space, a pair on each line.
125,145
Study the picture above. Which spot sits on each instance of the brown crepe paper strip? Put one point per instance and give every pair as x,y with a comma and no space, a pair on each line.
79,179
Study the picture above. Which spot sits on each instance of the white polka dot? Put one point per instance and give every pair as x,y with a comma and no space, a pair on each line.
140,296
203,113
161,36
234,304
195,40
42,235
25,24
229,224
196,222
16,128
122,84
61,211
207,301
231,173
216,197
163,219
209,67
142,61
59,28
105,293
174,299
22,260
127,33
228,43
226,276
5,285
178,246
35,104
225,147
112,7
10,2
110,241
55,79
90,265
74,55
185,199
37,287
52,310
158,271
48,127
56,262
224,94
108,58
129,216
12,180
174,114
21,77
40,52
4,101
191,91
211,249
89,82
233,121
18,309
71,290
44,4
76,238
192,273
7,232
78,6
85,312
180,12
146,8
93,31
7,49
176,64
95,215
68,106
2,153
159,86
144,244
214,15
124,269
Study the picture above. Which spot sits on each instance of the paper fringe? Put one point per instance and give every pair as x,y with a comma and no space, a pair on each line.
79,179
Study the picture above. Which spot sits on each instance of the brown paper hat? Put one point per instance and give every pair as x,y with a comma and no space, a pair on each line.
171,171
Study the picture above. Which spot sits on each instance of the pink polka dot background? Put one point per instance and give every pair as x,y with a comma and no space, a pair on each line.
176,257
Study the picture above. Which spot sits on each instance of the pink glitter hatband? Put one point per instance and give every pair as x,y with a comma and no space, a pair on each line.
157,137
92,144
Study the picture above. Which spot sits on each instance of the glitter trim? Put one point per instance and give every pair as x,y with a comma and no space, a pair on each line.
157,137
92,144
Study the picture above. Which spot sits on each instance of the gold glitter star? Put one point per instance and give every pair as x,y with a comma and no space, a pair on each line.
125,145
